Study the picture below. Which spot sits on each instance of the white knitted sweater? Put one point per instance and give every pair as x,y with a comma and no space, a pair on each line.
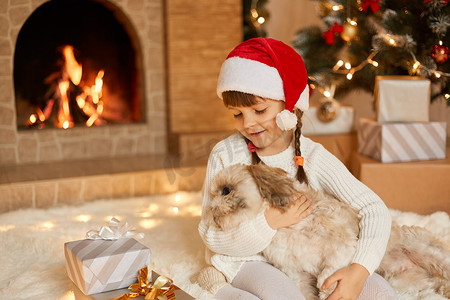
228,250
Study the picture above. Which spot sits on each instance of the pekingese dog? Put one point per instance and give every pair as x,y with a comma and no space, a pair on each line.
325,241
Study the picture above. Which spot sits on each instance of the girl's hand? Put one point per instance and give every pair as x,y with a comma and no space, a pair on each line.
350,280
299,209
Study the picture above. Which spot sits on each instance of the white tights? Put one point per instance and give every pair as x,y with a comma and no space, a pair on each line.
259,280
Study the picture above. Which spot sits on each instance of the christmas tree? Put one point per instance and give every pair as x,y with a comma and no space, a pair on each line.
361,39
254,14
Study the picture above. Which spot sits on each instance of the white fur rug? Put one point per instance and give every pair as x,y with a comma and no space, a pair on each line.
31,247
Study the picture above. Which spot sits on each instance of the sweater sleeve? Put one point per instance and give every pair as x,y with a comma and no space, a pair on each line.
250,237
333,177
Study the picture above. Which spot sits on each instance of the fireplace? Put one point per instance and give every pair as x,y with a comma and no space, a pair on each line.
76,63
43,166
115,93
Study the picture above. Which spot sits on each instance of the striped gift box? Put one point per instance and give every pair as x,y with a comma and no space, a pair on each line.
102,265
397,142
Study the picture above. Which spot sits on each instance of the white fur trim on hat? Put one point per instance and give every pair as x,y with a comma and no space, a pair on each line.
250,76
286,120
303,100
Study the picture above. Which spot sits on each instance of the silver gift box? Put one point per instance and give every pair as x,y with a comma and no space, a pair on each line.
402,98
397,142
97,266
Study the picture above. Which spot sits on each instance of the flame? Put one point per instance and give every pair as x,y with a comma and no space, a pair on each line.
40,114
88,98
81,102
73,68
96,89
91,120
32,119
64,118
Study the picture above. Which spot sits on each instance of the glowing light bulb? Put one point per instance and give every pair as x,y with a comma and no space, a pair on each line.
391,41
261,20
338,65
327,94
48,225
348,66
175,210
83,218
374,63
150,223
177,198
438,75
350,76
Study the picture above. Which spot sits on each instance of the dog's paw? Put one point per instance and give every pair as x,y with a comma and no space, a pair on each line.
324,294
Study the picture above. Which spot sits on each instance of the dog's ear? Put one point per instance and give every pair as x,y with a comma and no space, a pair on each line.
274,184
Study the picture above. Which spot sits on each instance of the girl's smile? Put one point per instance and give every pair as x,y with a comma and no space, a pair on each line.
256,134
258,124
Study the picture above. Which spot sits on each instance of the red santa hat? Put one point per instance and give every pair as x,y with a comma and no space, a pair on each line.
269,69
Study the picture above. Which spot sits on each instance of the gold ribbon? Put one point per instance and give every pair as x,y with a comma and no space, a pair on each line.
162,289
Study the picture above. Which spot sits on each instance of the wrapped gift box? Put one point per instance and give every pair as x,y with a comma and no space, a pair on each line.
340,145
396,142
343,123
102,265
417,186
402,98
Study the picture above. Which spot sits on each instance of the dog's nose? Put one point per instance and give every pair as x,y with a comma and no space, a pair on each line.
226,190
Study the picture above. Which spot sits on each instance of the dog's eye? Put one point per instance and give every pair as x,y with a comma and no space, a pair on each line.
226,190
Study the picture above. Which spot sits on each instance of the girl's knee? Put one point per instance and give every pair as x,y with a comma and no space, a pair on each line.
377,288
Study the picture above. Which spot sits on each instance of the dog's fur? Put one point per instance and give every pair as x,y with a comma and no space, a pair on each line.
325,241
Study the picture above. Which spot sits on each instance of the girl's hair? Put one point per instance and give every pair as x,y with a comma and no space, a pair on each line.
235,98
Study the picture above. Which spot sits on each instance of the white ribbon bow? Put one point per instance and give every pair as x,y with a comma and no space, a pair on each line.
114,230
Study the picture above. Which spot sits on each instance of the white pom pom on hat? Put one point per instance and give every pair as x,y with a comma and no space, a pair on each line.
269,69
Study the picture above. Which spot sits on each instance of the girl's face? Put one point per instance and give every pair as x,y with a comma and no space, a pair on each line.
258,124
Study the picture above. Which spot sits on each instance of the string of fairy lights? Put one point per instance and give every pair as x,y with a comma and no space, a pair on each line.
349,31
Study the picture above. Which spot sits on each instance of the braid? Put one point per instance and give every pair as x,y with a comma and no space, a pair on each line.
255,157
301,175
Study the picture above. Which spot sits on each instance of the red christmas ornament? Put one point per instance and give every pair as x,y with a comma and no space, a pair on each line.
329,34
440,53
373,4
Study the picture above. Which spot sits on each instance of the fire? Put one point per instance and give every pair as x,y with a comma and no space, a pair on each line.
64,117
73,68
87,98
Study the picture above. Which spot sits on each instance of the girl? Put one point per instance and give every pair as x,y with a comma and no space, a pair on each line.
263,82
